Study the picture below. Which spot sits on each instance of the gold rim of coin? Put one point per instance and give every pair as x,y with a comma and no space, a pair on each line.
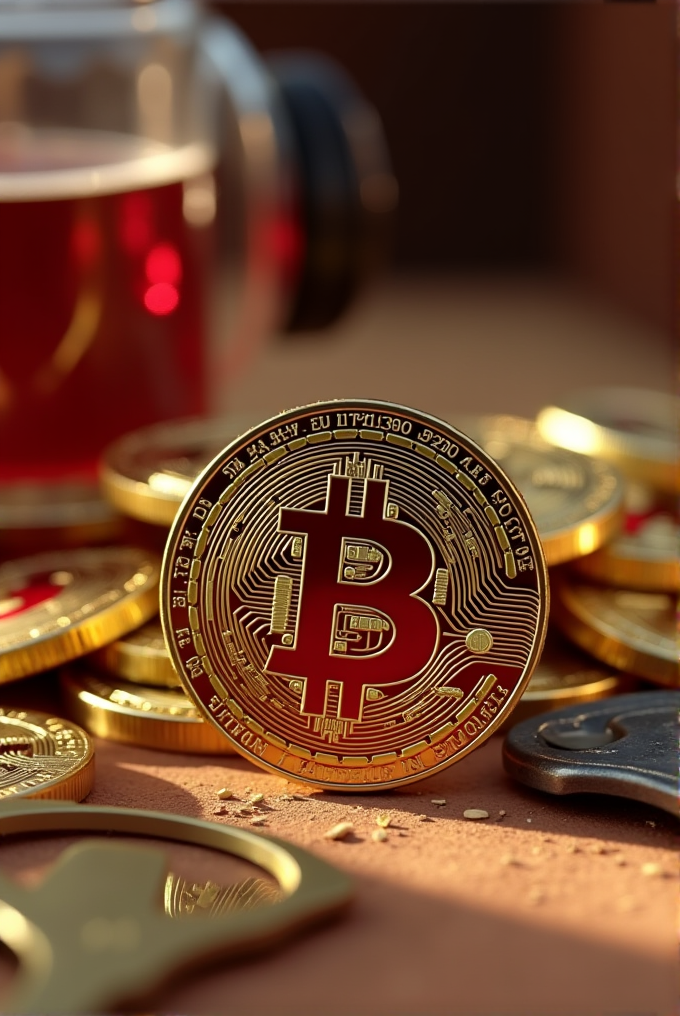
57,606
576,501
631,630
146,474
44,756
141,657
69,513
645,559
164,719
634,427
565,677
354,534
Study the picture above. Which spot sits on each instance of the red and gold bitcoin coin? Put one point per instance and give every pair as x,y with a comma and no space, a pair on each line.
355,593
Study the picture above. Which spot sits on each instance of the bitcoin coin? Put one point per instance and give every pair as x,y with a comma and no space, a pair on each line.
321,584
146,473
630,630
57,606
576,501
644,556
141,656
164,719
633,427
43,756
564,677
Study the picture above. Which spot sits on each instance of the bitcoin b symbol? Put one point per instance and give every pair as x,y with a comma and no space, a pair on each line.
360,622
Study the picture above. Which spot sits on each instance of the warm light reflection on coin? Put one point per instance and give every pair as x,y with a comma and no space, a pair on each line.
634,427
576,501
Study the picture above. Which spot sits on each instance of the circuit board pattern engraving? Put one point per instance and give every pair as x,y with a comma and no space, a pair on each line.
322,579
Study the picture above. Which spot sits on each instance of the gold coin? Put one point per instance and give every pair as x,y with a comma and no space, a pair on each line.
632,631
141,656
55,607
320,582
146,474
146,717
633,427
576,501
565,677
644,556
66,514
43,756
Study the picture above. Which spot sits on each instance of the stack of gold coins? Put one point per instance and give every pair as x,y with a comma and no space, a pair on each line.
576,500
577,503
618,602
129,691
56,607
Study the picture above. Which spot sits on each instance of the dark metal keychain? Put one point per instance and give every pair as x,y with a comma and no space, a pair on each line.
626,746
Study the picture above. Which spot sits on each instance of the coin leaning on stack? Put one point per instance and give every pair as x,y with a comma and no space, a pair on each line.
336,594
140,686
575,500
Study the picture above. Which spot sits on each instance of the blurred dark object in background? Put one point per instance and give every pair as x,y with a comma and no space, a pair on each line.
524,137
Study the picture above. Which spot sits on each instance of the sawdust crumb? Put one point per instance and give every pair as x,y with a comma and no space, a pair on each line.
475,813
339,831
383,820
650,822
225,793
256,798
571,848
536,851
439,801
528,820
652,870
509,860
597,848
379,835
502,813
258,820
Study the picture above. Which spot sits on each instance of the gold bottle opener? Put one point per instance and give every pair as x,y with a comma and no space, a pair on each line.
94,933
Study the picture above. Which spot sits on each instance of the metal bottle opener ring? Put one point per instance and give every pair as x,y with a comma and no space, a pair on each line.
93,934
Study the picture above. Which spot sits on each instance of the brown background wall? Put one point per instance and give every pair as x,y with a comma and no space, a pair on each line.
524,136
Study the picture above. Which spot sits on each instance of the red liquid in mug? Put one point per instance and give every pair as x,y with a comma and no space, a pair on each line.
105,254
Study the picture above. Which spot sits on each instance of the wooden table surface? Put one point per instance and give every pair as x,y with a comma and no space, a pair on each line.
544,909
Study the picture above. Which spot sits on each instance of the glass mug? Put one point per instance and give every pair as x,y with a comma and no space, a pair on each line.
167,200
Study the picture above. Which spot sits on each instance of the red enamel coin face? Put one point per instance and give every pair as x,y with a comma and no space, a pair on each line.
355,593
